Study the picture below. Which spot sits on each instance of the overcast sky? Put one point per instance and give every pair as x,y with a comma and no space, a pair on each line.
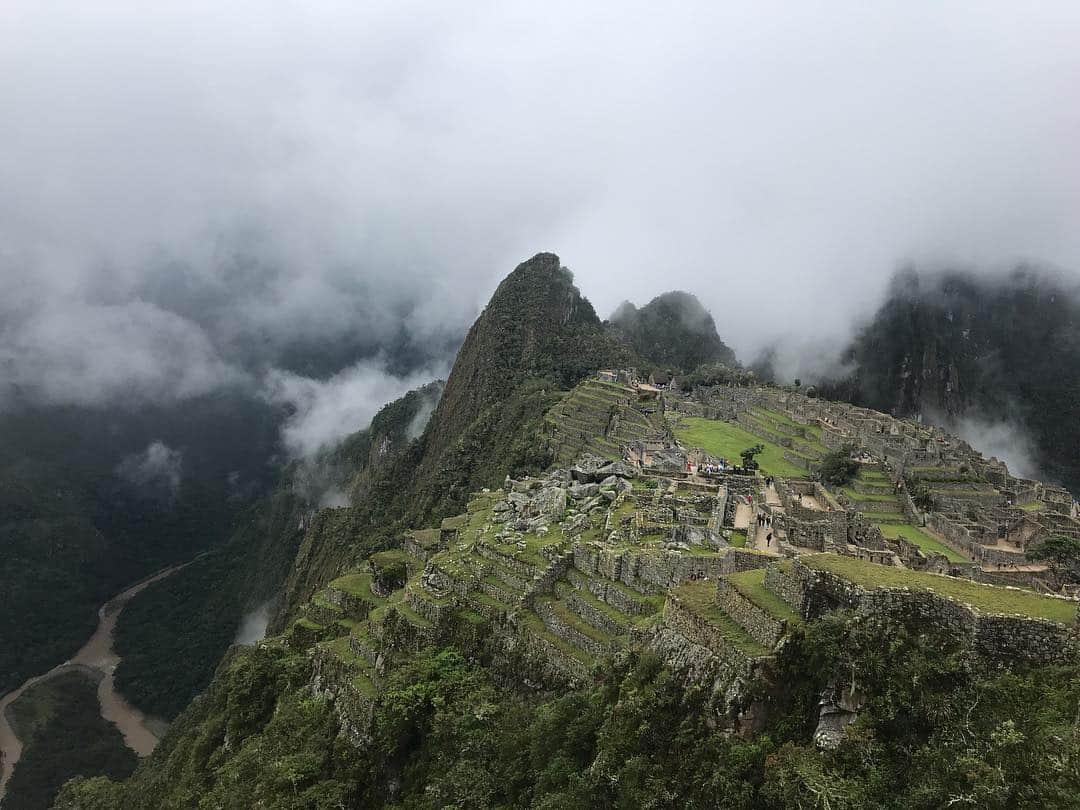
189,188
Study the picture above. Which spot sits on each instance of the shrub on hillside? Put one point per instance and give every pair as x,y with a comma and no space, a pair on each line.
839,468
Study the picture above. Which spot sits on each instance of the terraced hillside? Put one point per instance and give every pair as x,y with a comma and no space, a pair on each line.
801,444
555,575
955,487
873,494
600,417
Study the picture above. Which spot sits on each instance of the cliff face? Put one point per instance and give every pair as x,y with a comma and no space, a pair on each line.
956,346
674,331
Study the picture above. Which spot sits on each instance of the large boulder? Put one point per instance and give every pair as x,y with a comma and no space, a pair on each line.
616,484
550,503
618,468
578,491
587,469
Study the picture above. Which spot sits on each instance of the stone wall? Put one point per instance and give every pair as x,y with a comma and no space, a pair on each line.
332,678
607,591
966,540
546,664
563,630
762,626
997,638
864,534
790,583
732,663
744,559
351,605
652,571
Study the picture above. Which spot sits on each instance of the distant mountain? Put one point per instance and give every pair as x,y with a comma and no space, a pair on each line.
956,346
673,330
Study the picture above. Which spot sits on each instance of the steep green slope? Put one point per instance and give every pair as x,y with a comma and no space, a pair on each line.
673,331
458,733
75,528
536,337
194,615
440,655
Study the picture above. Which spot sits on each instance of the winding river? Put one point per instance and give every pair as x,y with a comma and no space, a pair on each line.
141,733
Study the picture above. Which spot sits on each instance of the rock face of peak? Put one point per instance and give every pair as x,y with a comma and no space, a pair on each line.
672,330
962,349
537,326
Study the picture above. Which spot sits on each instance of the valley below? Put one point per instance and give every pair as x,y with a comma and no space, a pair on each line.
97,661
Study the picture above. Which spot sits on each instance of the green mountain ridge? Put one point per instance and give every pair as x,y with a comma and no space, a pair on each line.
440,647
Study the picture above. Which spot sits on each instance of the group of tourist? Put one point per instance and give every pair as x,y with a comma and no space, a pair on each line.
720,466
764,521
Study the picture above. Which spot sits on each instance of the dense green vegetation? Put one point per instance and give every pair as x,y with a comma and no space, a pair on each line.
728,440
64,736
838,468
451,732
71,524
192,617
673,332
711,374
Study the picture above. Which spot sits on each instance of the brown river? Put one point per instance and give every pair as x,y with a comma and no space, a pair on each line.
141,733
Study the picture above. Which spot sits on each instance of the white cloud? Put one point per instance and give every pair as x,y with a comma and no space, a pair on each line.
1003,440
324,412
157,470
69,351
330,172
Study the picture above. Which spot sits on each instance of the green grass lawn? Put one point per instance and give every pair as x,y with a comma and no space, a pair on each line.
1033,506
738,540
986,598
751,584
789,426
728,440
920,538
869,496
700,598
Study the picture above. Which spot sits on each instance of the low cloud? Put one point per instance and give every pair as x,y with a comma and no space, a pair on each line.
358,175
72,352
157,470
1003,440
326,411
253,626
423,416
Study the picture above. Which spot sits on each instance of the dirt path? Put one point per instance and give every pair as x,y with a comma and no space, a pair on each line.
744,513
141,733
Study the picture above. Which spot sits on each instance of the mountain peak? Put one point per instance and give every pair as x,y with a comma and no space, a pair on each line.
674,329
